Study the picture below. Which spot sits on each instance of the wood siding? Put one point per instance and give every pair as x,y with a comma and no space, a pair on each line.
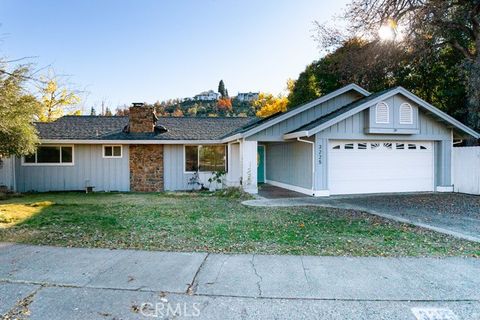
174,177
289,163
90,168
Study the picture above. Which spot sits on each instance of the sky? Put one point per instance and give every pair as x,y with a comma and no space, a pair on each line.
147,50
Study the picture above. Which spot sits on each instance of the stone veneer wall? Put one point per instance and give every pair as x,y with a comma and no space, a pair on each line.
142,119
146,168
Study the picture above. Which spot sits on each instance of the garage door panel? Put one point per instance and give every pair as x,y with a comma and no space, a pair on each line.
380,167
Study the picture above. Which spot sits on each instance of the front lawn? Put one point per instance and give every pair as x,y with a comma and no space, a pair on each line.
203,222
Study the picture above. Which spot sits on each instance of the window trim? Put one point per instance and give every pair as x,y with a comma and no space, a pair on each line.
198,156
405,104
388,112
60,164
112,156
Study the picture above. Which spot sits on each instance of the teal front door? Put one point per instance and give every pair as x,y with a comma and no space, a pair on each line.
261,164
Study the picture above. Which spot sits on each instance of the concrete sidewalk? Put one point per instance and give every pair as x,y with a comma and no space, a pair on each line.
68,283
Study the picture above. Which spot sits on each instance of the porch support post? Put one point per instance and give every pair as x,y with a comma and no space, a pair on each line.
249,166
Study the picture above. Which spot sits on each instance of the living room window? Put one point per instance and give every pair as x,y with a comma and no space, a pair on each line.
50,155
205,158
112,151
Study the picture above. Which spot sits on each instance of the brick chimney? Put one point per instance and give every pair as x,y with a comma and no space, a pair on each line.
142,118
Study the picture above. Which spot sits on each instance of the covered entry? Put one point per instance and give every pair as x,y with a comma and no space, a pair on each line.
380,166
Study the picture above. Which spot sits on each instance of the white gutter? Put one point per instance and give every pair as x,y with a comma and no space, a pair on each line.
313,162
85,141
297,135
14,174
98,141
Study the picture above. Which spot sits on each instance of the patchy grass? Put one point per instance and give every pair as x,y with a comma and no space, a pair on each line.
15,213
213,223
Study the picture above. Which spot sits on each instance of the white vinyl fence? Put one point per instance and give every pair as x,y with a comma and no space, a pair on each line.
466,169
7,177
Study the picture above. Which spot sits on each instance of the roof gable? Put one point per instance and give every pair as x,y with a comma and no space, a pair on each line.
362,104
279,117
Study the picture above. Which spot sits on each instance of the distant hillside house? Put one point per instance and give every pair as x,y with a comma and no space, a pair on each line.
247,96
207,96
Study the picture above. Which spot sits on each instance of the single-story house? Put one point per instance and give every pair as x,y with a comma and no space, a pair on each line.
346,142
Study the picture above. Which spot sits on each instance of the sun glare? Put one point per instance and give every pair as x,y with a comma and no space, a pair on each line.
386,33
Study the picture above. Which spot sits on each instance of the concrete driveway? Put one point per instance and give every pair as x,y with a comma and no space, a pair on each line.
455,214
49,283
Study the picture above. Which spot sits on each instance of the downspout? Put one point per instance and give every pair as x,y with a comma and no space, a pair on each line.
14,163
313,162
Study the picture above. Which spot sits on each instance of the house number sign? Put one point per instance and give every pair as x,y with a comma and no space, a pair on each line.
320,154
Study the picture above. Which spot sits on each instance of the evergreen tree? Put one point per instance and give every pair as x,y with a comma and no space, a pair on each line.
93,112
222,90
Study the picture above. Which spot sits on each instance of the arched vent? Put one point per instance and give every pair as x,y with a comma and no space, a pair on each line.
406,113
382,113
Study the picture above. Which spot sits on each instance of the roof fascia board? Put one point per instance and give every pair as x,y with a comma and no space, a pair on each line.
440,113
235,137
343,115
86,141
307,106
365,105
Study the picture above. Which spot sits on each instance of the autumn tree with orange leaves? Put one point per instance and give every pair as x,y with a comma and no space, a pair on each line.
224,104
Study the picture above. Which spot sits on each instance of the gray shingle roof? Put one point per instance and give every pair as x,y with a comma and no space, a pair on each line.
111,128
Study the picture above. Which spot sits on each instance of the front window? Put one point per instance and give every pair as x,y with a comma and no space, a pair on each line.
112,151
51,155
205,158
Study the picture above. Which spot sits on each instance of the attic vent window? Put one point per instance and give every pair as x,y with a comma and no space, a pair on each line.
382,114
406,113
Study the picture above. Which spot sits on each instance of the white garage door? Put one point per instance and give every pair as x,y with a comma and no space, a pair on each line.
380,166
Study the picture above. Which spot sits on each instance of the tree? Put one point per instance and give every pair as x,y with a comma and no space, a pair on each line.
268,104
108,112
17,111
374,65
377,66
122,111
56,99
93,112
430,25
177,113
224,104
222,90
192,111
